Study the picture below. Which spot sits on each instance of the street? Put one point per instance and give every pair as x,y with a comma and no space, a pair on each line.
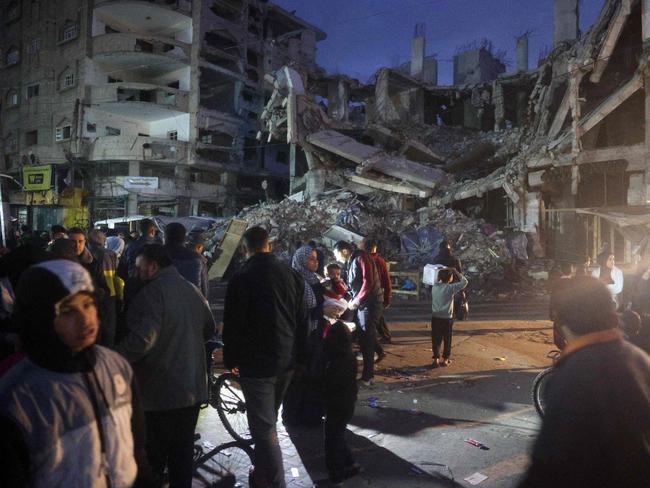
410,429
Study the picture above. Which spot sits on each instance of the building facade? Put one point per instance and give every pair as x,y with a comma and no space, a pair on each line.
142,107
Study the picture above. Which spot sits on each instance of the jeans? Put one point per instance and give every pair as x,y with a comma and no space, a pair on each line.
338,456
441,333
170,442
367,318
263,399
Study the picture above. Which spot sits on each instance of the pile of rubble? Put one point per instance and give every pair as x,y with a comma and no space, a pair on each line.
408,238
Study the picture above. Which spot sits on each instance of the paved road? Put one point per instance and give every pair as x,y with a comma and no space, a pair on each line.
416,438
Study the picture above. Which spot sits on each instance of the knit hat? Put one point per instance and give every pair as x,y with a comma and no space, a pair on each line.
40,289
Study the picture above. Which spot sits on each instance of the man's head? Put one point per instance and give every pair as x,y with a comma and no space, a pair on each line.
255,240
78,235
97,238
175,234
445,276
585,307
56,308
370,245
445,247
334,271
342,251
57,232
147,228
197,242
64,249
150,260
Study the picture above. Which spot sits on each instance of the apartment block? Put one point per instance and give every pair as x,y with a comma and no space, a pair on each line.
142,107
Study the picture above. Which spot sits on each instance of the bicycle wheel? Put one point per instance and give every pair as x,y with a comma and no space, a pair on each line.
225,466
540,384
227,397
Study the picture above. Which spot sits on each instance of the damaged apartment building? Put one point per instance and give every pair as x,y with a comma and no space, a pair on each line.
113,108
558,151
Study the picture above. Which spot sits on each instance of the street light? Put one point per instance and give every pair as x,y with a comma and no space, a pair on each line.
2,207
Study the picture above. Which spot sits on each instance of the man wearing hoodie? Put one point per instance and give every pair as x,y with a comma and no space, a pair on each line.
70,413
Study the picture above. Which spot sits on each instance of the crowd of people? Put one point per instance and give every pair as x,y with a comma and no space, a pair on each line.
104,360
104,363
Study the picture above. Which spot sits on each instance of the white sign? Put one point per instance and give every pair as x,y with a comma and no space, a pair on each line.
141,182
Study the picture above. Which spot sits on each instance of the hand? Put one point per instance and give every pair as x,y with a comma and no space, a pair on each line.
353,304
235,370
332,311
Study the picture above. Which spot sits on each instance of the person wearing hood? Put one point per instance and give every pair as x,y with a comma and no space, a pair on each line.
95,266
303,404
70,412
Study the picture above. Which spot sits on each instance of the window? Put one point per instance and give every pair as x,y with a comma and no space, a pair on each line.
69,32
112,131
13,56
32,91
12,98
35,45
206,139
172,135
63,133
91,127
31,138
68,80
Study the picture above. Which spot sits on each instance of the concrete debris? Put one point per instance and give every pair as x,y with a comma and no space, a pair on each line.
408,238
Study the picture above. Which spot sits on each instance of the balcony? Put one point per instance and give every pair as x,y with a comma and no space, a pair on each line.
140,100
136,148
127,8
142,55
167,187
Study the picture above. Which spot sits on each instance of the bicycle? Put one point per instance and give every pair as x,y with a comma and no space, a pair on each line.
541,382
226,465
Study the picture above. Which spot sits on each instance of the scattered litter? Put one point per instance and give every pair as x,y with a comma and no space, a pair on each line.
295,473
208,445
400,391
476,478
415,400
478,444
500,358
373,402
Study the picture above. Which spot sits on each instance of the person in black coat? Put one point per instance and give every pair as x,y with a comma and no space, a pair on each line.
596,428
340,392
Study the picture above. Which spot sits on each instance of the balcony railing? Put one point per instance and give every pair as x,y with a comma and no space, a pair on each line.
140,92
106,44
136,148
184,6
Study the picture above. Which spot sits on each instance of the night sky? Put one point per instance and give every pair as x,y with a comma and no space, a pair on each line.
364,35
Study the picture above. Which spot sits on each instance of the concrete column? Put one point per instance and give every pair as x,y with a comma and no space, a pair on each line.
292,168
430,73
338,99
132,199
646,19
522,53
566,21
417,57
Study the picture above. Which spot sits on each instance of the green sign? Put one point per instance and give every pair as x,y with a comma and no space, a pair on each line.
37,178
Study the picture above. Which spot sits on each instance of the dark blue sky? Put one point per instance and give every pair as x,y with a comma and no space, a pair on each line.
364,35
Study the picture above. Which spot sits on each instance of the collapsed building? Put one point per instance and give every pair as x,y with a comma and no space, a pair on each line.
558,152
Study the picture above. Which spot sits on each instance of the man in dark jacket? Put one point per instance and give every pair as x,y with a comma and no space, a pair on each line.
189,264
264,308
105,305
363,283
596,429
168,324
371,246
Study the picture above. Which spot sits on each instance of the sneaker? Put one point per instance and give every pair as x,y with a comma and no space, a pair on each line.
445,363
367,383
435,363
